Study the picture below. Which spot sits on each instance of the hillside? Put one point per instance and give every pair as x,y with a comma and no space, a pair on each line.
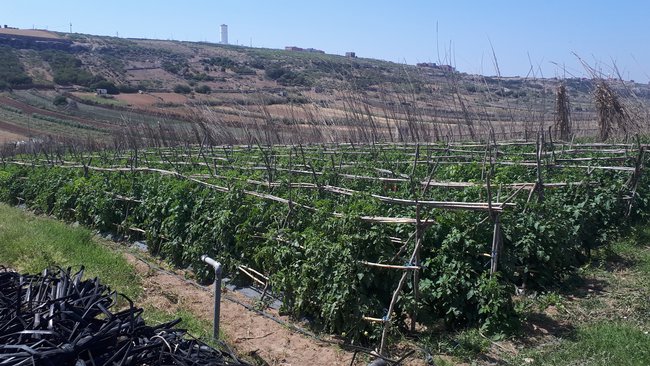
278,92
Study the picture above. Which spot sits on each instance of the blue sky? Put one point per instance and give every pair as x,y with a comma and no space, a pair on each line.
535,38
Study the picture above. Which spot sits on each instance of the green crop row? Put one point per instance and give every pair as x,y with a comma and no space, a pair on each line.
11,109
64,122
314,259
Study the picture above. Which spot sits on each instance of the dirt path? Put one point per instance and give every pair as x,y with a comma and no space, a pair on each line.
247,331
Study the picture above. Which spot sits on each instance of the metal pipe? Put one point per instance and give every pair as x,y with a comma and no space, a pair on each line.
217,293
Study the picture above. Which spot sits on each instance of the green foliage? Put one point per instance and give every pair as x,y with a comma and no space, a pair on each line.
11,109
199,77
274,72
129,89
31,244
203,89
114,63
182,89
105,84
60,100
224,62
456,285
606,343
314,259
64,122
12,72
67,70
286,76
244,70
174,66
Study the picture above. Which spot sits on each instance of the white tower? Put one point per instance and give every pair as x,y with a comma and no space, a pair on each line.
224,34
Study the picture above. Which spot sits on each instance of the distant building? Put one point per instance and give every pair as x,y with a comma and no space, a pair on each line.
433,65
351,55
298,49
224,34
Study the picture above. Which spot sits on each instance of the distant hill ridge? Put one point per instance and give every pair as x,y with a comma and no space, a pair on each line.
285,86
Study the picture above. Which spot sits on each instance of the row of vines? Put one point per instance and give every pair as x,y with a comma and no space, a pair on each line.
274,209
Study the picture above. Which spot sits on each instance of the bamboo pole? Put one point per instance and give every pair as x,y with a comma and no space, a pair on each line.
390,266
496,241
540,184
374,320
418,244
633,182
391,307
247,273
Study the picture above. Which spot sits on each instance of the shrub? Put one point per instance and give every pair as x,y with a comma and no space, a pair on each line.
274,72
182,89
286,77
201,77
203,89
224,62
127,89
11,70
244,70
67,69
60,100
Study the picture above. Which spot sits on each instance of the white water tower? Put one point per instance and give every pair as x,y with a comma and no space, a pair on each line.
224,34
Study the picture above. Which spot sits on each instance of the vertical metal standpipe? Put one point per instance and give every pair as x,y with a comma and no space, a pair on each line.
217,293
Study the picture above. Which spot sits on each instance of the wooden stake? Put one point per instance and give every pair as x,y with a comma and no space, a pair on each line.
496,244
540,184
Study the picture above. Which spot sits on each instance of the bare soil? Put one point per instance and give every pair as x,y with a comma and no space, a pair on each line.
9,137
29,33
139,100
171,97
10,132
248,332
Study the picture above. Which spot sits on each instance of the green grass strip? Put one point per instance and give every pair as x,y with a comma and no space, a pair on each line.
603,344
31,244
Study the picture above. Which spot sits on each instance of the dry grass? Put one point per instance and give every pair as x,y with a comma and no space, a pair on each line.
562,127
612,114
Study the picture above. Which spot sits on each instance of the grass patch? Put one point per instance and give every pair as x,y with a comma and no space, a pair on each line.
608,313
467,345
198,328
94,99
30,244
599,344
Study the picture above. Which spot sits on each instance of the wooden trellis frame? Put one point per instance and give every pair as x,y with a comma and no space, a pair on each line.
494,209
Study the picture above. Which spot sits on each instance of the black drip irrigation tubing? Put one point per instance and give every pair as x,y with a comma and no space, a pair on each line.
59,318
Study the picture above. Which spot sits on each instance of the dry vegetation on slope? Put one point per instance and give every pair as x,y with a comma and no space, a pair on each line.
330,97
